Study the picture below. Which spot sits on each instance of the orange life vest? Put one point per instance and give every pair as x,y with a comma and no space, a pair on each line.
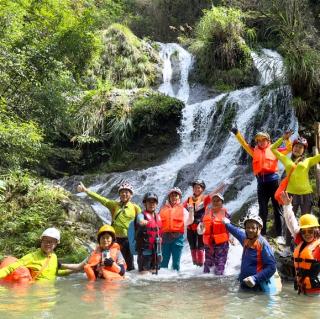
20,275
215,231
96,259
304,262
172,218
264,161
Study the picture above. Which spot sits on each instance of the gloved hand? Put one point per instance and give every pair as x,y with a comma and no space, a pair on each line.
249,281
226,220
108,262
234,130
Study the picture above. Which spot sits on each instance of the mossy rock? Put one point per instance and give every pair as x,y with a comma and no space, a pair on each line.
125,61
29,206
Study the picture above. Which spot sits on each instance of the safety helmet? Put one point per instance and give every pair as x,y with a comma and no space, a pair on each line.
175,190
199,182
51,232
150,195
127,186
218,195
300,140
106,229
261,135
308,221
254,218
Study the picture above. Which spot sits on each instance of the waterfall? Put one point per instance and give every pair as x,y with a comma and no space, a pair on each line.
208,150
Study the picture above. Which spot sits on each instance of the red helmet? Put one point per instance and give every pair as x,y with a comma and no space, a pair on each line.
300,140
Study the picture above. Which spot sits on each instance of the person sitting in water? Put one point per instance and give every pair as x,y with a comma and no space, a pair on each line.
306,255
123,212
175,219
41,264
198,203
149,235
215,236
106,261
265,168
258,264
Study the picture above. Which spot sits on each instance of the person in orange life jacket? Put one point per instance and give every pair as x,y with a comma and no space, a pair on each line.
106,261
122,212
258,264
265,168
307,252
175,219
198,203
148,235
215,236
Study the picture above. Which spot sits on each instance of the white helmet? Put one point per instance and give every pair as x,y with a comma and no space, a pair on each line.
51,232
255,218
175,190
127,186
219,195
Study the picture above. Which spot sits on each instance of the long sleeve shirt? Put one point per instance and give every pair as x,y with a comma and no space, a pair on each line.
299,183
122,214
257,260
35,262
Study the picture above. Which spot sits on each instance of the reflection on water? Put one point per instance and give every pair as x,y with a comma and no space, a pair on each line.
139,297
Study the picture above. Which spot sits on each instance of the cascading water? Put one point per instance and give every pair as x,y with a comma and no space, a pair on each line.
207,148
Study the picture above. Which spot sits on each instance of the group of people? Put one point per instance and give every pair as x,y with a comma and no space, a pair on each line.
159,235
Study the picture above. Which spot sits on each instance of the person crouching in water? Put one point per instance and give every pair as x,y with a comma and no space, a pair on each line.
41,265
175,219
215,236
106,261
306,256
148,235
258,264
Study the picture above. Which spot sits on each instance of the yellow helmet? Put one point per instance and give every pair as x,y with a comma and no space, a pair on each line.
261,135
106,229
308,221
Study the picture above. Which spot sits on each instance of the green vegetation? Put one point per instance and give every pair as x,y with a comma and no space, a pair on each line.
29,206
223,57
120,117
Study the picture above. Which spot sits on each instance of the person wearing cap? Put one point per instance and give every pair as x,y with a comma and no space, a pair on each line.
42,263
258,264
149,235
215,236
106,261
122,213
306,255
175,219
265,168
198,203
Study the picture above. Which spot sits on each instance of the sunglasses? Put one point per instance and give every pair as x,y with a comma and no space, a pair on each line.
307,231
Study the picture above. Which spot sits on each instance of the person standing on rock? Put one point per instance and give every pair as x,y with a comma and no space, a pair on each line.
122,212
265,168
297,169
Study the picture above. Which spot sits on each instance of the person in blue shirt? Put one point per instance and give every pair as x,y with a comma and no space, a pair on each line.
258,264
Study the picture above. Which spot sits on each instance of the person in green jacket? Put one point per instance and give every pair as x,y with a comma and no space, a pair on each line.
43,263
122,213
299,186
